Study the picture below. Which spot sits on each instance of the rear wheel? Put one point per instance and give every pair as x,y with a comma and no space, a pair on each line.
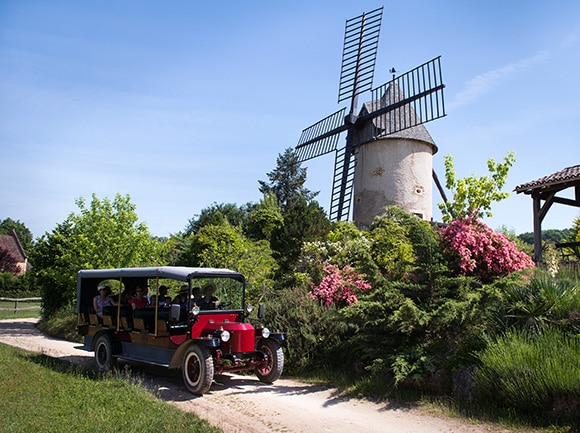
271,370
104,353
197,369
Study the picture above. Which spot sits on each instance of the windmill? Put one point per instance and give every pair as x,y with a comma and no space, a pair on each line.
386,137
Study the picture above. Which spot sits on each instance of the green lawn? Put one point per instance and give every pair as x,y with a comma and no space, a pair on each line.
25,310
41,394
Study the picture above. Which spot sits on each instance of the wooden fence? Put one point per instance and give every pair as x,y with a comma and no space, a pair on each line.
17,300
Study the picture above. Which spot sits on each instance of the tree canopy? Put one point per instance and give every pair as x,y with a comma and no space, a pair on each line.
473,195
287,181
105,234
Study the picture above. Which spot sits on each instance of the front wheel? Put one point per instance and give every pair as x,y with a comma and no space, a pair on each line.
271,370
197,369
104,353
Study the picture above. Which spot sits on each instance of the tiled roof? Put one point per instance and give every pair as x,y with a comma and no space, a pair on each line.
564,177
12,245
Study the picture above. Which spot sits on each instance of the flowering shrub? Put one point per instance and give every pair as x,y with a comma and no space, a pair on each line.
482,252
339,286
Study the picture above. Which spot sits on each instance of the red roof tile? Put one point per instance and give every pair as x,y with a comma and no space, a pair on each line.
563,177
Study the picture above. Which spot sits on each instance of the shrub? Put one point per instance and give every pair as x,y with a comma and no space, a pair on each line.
311,328
339,286
531,372
479,251
539,302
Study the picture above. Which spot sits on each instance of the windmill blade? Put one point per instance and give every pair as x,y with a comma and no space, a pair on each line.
342,185
322,137
361,39
413,98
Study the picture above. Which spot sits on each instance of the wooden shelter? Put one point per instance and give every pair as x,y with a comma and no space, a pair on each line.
543,192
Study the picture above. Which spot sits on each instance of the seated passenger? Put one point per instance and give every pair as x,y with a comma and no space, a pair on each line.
103,299
139,301
162,297
182,297
208,302
196,295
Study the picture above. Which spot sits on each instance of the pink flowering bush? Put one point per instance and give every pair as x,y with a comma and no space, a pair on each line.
339,286
482,252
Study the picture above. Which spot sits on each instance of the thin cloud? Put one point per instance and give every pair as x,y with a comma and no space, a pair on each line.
486,82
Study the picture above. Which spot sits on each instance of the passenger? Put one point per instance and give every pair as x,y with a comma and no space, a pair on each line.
103,299
125,299
181,298
209,302
162,297
196,295
139,301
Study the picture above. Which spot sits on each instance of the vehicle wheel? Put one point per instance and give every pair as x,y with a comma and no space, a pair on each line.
197,369
104,353
272,370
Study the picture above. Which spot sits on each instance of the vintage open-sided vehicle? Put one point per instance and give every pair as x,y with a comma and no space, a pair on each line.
202,340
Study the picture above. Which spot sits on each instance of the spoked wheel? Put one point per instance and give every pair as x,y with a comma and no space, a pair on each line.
272,369
197,369
104,353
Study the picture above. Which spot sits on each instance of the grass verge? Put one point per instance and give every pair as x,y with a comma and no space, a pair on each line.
43,394
7,310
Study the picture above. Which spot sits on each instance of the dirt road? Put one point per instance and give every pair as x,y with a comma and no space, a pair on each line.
242,404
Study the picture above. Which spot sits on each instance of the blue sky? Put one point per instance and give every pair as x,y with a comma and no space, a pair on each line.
181,104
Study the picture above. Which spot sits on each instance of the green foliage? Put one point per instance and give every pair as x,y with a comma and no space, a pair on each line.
540,302
12,286
416,318
266,218
531,372
23,233
303,222
551,235
218,214
473,195
574,236
312,329
224,246
62,324
287,181
391,249
106,234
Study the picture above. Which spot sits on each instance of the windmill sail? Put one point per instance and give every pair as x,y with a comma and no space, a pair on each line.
361,39
344,164
322,137
402,103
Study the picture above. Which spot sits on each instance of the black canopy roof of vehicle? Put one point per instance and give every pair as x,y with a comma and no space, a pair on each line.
179,273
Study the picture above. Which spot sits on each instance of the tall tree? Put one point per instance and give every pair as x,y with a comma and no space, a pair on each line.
303,222
106,234
287,181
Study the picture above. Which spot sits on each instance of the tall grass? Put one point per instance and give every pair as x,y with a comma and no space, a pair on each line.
530,372
40,394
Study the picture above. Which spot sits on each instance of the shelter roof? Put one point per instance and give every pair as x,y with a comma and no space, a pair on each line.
556,181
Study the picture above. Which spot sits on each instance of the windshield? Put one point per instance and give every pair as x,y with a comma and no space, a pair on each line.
211,293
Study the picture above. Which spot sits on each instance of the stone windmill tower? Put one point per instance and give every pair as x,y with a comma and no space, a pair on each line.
388,154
